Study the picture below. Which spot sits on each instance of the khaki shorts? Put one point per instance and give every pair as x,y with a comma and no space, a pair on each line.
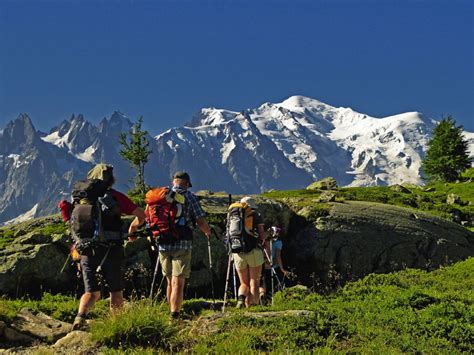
176,263
251,259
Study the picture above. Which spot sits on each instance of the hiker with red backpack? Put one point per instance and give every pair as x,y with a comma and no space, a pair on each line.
246,238
96,228
170,214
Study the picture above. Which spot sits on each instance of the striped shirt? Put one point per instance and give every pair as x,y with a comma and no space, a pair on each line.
192,212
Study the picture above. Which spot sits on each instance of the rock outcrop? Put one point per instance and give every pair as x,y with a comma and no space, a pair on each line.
358,238
326,243
33,261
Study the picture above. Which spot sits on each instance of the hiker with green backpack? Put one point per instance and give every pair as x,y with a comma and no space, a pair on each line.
171,213
246,240
96,228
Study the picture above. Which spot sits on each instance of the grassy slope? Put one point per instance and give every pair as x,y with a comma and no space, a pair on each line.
430,198
408,311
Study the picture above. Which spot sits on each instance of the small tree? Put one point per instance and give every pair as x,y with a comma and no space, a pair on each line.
447,156
135,150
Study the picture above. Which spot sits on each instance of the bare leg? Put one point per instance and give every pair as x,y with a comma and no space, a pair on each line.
244,289
168,289
87,302
177,293
116,301
254,284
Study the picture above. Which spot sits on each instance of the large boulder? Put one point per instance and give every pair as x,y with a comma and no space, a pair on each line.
39,326
33,264
358,238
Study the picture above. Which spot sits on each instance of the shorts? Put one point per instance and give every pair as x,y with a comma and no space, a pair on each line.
251,259
111,268
176,263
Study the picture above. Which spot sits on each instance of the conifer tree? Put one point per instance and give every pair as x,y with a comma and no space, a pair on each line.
135,149
447,156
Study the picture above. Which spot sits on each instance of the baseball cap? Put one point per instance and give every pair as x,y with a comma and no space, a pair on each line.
184,176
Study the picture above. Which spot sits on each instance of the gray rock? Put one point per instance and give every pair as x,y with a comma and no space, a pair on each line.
327,196
328,183
400,188
30,268
359,238
73,339
452,199
12,336
40,326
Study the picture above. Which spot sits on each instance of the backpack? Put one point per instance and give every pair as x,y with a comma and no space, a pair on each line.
164,214
95,217
240,235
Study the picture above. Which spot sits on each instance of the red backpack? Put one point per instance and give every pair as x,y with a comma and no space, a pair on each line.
163,213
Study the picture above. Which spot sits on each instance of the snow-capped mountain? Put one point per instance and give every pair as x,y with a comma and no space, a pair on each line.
275,146
289,144
33,174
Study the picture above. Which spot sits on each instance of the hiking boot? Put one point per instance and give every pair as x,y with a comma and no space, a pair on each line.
240,302
174,318
79,323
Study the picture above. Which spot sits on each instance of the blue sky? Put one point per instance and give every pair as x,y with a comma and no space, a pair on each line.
167,59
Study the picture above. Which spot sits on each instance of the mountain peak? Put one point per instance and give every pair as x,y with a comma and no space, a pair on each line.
19,133
211,116
24,120
119,116
301,101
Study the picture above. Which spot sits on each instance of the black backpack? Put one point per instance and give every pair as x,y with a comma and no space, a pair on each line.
240,235
95,218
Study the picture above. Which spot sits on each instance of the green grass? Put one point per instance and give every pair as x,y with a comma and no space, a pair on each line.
61,307
53,228
6,237
49,226
430,198
141,324
468,174
410,311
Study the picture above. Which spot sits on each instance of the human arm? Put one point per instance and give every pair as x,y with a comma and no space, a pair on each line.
204,226
198,214
261,232
137,221
279,262
127,207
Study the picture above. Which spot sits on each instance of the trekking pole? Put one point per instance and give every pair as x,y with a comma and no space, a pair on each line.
271,263
157,265
99,268
273,269
65,263
235,280
226,282
210,270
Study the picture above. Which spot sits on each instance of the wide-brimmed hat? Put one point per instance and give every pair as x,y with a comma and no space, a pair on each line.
183,176
249,201
104,172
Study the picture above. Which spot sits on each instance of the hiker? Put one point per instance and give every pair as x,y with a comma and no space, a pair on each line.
246,245
278,274
175,250
101,248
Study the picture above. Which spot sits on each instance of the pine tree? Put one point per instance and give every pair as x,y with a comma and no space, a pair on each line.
135,149
447,156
